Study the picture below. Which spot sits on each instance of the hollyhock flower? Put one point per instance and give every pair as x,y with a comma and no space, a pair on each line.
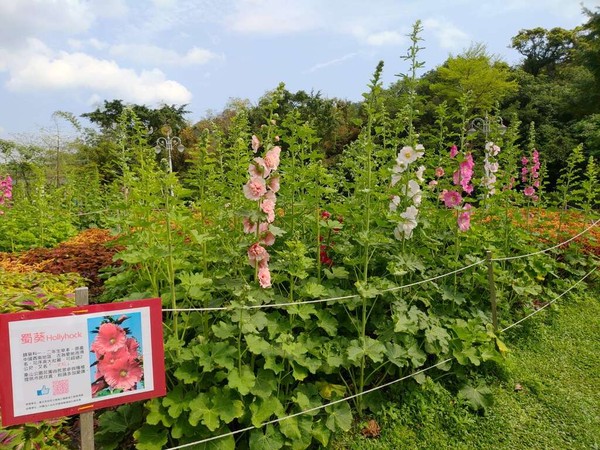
268,238
419,173
413,191
394,203
396,171
433,183
259,168
117,357
536,184
464,218
529,191
453,151
273,183
325,215
255,144
110,338
98,384
492,149
272,158
439,172
132,346
264,276
524,161
451,198
124,376
409,155
268,207
257,254
255,188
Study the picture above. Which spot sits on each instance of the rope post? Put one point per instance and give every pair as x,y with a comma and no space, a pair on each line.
492,289
86,419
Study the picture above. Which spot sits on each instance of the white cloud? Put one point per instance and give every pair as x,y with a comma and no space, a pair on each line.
332,62
385,38
449,36
154,55
41,69
23,18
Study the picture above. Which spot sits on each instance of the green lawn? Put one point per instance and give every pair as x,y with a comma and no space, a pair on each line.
555,357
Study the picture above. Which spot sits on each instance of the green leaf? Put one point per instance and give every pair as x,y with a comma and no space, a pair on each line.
270,439
339,417
478,398
371,348
227,405
416,355
241,381
327,322
201,410
313,290
265,384
125,418
336,272
329,390
223,353
187,372
289,427
157,413
176,401
396,354
263,408
257,344
321,433
150,437
224,330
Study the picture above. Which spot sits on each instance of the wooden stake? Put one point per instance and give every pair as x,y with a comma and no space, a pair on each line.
492,289
86,420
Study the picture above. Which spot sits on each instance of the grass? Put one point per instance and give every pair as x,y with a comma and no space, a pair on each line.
555,358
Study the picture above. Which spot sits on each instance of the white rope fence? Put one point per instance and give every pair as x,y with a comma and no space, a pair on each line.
376,388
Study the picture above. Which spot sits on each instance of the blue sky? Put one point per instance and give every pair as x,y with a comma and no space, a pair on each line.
70,55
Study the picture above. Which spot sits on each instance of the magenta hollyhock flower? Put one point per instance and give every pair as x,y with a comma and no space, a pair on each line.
110,338
257,254
124,376
264,276
255,188
453,151
529,191
255,143
272,158
451,198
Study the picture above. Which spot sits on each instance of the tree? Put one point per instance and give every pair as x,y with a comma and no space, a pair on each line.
484,78
544,49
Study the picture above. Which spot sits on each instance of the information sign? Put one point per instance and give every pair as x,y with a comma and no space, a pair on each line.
55,363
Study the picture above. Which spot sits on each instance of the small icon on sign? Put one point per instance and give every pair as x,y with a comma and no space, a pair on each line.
43,391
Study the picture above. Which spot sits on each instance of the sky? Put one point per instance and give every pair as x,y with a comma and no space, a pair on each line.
71,55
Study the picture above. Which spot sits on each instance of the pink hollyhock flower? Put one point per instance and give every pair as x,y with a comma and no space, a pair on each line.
132,346
264,277
255,144
536,184
117,357
255,188
98,384
451,198
268,238
110,338
524,161
439,172
272,158
453,151
259,168
257,254
529,191
464,218
433,183
124,376
249,226
273,183
268,207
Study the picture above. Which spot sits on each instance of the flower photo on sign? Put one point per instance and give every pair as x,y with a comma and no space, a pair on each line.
116,363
